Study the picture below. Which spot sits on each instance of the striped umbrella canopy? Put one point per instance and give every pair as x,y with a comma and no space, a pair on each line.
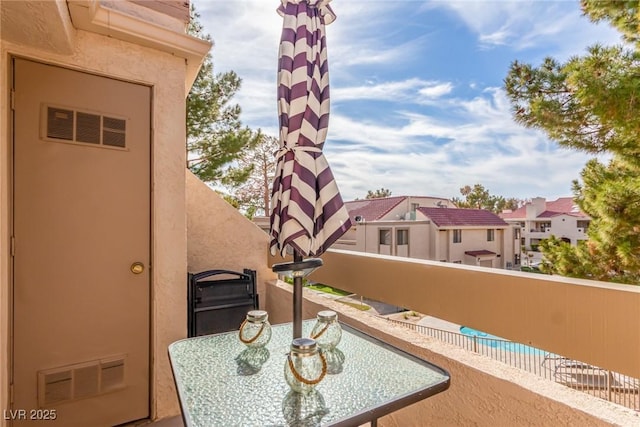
307,211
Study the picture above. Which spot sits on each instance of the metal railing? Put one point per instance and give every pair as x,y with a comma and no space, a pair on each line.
605,384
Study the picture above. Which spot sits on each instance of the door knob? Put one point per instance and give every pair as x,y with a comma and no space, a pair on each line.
137,267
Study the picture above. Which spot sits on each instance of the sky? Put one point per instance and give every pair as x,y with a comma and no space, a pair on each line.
417,99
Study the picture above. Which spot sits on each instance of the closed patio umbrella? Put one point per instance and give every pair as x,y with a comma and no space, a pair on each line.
307,211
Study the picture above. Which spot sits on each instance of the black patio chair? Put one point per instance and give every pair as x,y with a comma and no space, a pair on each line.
218,300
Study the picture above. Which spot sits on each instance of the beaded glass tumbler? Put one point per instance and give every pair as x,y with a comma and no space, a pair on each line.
255,331
327,331
305,366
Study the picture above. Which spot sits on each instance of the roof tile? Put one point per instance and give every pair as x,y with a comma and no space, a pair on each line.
372,209
481,252
563,205
443,217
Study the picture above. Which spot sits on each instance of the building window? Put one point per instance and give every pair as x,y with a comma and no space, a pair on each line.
490,235
385,236
583,226
414,206
402,237
457,236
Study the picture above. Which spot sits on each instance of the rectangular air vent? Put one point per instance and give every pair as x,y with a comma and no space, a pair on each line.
112,375
86,381
88,128
57,387
66,125
81,380
113,132
59,124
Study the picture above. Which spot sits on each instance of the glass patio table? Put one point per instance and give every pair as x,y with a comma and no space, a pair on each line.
221,382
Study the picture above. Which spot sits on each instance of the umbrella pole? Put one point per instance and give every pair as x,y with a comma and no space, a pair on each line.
297,300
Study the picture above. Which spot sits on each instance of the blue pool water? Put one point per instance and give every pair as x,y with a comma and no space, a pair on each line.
493,341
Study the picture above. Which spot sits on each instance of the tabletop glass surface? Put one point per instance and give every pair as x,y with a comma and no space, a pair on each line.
221,382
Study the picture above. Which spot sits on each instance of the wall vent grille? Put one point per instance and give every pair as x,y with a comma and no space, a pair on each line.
86,128
60,123
82,380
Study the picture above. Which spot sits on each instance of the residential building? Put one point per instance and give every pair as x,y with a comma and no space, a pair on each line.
541,219
429,228
469,236
383,225
94,257
394,208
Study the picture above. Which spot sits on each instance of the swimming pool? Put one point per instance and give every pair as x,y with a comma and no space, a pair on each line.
493,341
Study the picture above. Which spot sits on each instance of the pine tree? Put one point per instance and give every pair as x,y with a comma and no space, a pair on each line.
215,134
591,103
478,197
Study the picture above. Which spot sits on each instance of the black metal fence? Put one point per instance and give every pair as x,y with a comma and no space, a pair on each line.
620,389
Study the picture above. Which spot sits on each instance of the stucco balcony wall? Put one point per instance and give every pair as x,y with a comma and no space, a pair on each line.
594,322
220,237
483,392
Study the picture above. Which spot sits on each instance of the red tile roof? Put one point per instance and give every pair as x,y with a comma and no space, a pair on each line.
481,252
443,217
372,209
564,205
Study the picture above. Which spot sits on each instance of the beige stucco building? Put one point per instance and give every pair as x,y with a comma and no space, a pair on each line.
541,219
395,216
432,229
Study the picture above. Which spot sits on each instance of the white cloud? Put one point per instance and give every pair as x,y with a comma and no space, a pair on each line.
427,136
246,34
436,156
405,90
436,90
525,24
500,37
432,172
365,50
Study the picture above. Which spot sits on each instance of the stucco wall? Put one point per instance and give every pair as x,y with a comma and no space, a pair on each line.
579,319
483,392
566,226
349,240
166,74
472,239
368,238
475,239
220,237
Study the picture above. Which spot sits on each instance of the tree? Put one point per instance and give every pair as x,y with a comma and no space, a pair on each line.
591,104
215,134
478,197
254,195
378,194
622,14
501,204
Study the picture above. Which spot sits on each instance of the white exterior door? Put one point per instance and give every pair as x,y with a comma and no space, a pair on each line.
81,220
